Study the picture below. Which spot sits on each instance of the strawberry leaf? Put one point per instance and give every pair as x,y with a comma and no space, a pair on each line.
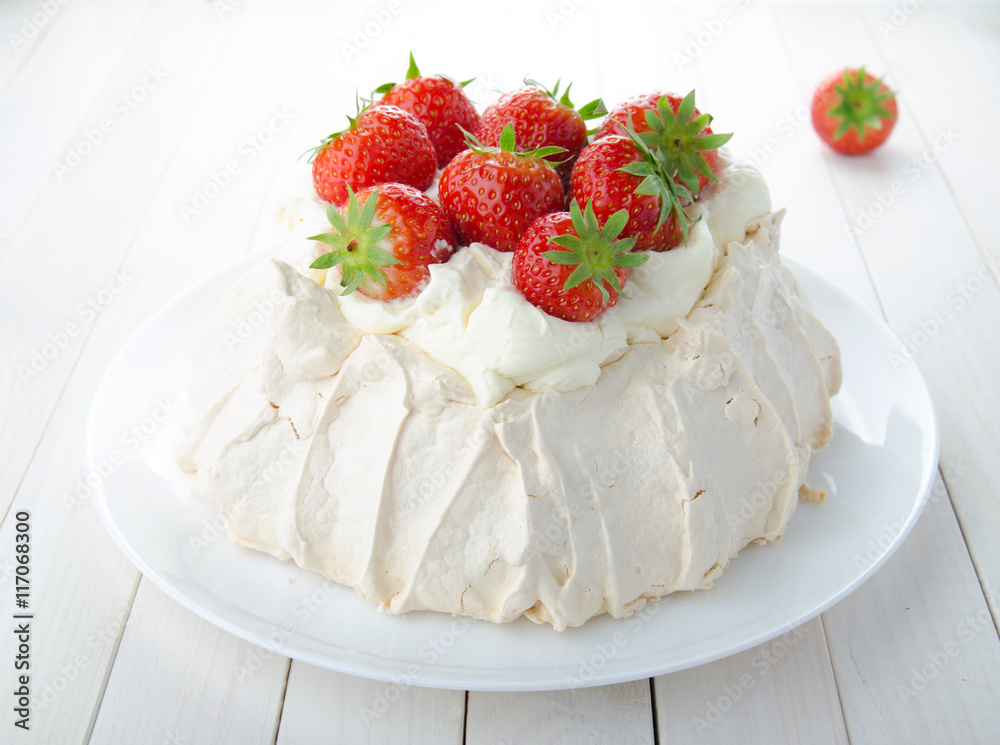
412,71
508,144
593,109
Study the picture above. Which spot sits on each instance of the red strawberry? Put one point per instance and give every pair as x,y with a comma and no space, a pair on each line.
853,112
384,143
385,245
570,267
619,173
440,104
491,194
676,131
540,119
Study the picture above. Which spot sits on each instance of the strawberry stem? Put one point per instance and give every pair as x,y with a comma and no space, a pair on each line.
508,144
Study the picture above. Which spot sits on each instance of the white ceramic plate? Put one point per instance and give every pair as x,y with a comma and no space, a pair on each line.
878,473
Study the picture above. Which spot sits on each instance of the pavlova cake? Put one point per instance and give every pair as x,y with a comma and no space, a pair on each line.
506,366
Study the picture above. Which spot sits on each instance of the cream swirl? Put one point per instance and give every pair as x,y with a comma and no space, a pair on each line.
470,317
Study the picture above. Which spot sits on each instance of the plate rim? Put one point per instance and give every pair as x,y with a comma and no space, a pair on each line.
799,268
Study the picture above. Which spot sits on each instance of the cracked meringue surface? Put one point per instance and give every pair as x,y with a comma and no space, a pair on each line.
368,454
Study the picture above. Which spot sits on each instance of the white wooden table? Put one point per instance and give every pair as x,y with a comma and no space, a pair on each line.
143,145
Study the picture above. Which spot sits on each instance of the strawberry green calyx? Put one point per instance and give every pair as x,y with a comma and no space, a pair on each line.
860,106
678,142
588,111
414,72
658,180
361,104
594,250
411,72
354,241
508,144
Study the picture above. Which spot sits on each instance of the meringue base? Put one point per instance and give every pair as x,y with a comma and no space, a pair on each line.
358,456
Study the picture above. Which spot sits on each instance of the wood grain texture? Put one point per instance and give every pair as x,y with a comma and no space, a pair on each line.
619,714
68,118
49,316
322,706
91,581
746,697
901,243
916,654
169,659
966,62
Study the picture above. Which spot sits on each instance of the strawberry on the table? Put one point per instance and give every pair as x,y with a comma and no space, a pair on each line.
383,144
571,267
439,103
384,239
853,111
491,194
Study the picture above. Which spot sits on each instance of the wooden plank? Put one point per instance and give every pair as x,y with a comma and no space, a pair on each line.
969,169
875,650
85,585
58,111
916,653
322,706
781,691
91,582
178,679
619,714
76,279
81,594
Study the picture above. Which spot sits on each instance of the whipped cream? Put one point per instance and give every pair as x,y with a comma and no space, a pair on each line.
471,318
